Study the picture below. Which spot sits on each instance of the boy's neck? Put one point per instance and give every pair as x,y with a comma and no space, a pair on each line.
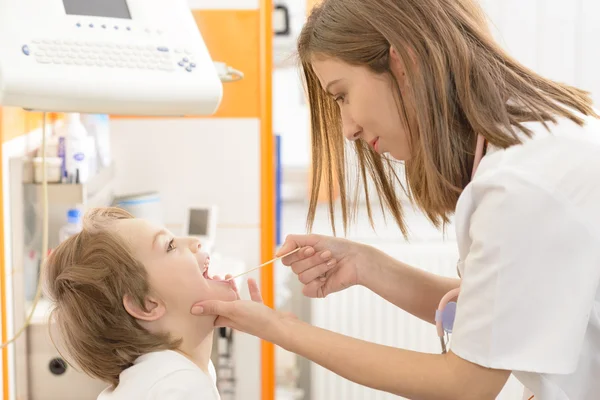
196,334
199,353
198,348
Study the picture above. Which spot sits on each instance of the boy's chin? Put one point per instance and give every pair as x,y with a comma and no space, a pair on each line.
222,291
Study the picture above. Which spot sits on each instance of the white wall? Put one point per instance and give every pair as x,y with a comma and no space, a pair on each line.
290,111
291,117
556,38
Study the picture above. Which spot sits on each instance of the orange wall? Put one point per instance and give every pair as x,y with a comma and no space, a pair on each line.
3,283
233,37
16,121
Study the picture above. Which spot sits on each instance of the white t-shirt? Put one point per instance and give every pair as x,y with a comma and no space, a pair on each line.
164,375
528,230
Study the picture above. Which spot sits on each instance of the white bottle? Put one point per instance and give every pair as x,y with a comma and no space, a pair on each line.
98,127
77,148
73,226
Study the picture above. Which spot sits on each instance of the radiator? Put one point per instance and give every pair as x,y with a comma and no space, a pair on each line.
359,313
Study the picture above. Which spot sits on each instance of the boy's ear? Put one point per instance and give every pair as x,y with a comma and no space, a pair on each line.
154,308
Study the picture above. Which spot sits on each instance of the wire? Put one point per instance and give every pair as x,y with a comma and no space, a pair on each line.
227,73
38,293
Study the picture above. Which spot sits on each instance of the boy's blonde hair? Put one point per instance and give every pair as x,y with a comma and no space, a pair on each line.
87,277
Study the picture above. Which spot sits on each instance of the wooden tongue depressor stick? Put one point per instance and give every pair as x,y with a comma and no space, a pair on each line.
265,264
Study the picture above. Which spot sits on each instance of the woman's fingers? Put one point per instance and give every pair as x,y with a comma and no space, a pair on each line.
254,291
222,322
315,289
318,272
322,257
233,285
213,307
292,242
301,254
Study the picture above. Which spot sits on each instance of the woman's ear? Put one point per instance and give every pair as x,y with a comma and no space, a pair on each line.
397,67
154,308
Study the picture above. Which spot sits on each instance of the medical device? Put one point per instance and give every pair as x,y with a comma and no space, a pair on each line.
444,317
446,311
133,57
201,223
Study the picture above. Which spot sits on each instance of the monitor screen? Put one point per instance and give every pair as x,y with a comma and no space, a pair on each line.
98,8
199,220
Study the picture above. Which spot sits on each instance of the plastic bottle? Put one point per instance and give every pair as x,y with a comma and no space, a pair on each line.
98,127
76,148
73,225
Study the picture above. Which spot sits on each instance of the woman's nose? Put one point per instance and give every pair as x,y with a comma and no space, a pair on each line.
352,134
351,129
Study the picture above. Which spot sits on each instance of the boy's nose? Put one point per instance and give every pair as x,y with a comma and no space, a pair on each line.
195,245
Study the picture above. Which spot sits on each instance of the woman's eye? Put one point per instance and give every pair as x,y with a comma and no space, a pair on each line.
171,245
339,98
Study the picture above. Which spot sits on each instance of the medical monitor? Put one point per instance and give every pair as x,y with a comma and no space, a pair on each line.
201,222
131,57
94,8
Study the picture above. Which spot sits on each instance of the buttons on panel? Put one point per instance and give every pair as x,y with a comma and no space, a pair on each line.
186,62
102,55
91,25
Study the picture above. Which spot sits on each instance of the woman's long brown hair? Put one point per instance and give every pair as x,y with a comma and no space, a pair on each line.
461,84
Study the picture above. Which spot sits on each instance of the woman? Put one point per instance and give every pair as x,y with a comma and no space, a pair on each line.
423,81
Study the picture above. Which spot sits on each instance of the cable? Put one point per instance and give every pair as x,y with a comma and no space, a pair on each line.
227,73
38,293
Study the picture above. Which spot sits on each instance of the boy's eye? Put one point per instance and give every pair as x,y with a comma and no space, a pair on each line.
171,245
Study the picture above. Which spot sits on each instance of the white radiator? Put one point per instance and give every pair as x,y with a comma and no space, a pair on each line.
359,313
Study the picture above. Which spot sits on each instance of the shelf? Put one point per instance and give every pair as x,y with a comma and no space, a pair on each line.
89,193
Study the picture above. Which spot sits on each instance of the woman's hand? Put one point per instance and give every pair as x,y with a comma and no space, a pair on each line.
326,264
231,283
249,316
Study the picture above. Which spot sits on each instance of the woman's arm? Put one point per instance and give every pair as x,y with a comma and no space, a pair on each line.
409,374
345,263
417,376
416,291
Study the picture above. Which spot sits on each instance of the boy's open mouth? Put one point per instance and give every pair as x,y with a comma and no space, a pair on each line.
205,271
205,268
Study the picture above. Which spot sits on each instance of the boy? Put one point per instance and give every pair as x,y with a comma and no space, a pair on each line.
122,290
